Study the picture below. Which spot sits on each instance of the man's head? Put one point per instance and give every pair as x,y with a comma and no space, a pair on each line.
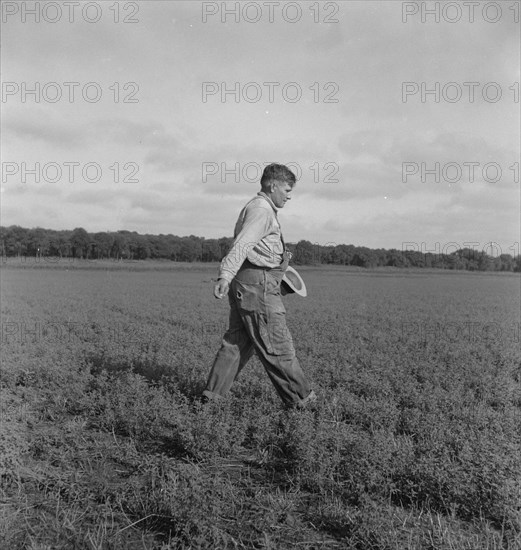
277,181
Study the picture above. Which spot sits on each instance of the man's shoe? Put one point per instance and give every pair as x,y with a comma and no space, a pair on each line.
305,403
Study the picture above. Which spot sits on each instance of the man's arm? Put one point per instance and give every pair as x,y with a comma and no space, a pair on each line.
255,227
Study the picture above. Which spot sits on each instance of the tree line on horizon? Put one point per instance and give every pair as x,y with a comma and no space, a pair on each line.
16,241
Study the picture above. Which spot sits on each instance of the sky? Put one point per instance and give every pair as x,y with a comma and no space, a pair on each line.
401,119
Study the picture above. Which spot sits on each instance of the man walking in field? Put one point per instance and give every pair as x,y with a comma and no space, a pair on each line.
251,275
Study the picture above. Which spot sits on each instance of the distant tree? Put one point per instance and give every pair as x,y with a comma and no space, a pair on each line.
504,262
225,243
133,241
517,263
64,244
343,254
485,262
325,253
80,242
174,246
15,240
191,249
436,260
141,247
37,242
210,250
159,246
365,257
397,258
119,248
455,261
102,244
415,258
305,253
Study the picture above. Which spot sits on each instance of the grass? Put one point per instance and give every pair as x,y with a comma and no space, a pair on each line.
415,443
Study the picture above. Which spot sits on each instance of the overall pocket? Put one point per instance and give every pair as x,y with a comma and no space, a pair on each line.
272,295
246,296
276,335
272,282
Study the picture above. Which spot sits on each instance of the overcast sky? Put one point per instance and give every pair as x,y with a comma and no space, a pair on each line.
147,99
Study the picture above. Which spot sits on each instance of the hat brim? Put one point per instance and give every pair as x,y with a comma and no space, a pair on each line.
294,282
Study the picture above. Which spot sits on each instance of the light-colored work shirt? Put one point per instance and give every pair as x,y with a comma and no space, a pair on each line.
257,237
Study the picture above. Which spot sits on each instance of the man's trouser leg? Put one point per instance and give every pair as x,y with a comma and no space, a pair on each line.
235,351
266,325
258,319
263,314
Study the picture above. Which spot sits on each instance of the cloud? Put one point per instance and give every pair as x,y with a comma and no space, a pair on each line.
326,39
101,198
125,131
373,155
42,128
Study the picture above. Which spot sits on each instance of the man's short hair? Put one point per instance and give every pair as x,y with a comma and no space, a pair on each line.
277,172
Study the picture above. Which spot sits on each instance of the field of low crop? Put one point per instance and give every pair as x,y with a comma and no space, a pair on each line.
415,442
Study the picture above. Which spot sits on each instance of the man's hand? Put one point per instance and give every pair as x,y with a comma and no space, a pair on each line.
286,257
221,288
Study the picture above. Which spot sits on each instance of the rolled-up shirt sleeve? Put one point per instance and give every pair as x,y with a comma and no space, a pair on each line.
254,228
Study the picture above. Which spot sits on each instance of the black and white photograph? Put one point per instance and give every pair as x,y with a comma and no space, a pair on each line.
260,275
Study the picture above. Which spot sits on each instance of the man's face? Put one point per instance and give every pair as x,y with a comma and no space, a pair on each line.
280,193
